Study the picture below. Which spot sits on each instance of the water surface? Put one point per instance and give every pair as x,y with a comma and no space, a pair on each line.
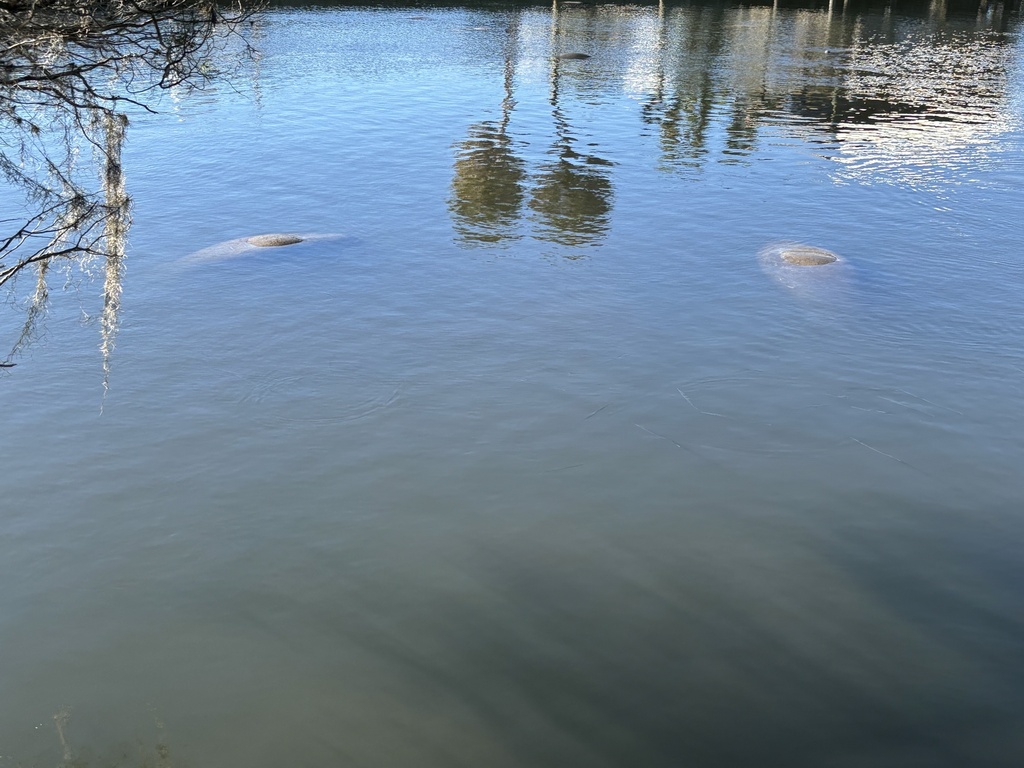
536,462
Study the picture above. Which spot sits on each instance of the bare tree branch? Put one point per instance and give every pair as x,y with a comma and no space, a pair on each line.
70,72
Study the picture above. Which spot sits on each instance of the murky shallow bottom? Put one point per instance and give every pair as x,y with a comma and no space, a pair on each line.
539,464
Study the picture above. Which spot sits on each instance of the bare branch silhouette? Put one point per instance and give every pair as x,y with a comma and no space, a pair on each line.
70,73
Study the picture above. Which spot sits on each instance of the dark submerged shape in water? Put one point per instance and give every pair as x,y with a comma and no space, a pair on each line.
807,256
572,56
273,240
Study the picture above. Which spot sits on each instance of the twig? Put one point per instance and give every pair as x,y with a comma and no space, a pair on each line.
663,437
923,400
698,410
887,455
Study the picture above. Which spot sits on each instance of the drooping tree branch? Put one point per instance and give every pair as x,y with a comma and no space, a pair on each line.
70,73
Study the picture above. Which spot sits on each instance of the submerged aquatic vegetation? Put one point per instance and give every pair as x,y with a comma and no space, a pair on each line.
143,754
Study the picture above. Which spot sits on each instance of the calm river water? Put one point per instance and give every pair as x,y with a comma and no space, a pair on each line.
542,458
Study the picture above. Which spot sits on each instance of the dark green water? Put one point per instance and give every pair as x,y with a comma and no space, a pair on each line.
544,458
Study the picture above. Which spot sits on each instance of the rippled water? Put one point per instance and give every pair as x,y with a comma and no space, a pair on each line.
538,457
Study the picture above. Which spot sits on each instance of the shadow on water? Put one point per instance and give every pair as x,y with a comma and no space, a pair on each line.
657,644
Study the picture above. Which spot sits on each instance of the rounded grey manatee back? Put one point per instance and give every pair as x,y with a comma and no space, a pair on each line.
807,256
572,56
273,240
808,271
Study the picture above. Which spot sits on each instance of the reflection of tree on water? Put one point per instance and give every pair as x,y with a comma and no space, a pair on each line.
572,199
709,79
834,106
681,103
487,190
70,70
573,193
695,60
570,196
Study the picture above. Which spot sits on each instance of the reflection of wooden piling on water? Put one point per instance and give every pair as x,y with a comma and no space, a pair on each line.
937,9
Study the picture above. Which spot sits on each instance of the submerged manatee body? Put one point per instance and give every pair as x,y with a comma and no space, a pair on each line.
241,246
808,271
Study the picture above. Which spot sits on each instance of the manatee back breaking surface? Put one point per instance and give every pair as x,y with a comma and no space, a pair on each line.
273,240
807,256
806,270
242,246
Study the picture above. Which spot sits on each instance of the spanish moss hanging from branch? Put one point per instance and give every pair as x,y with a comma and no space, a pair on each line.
71,73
